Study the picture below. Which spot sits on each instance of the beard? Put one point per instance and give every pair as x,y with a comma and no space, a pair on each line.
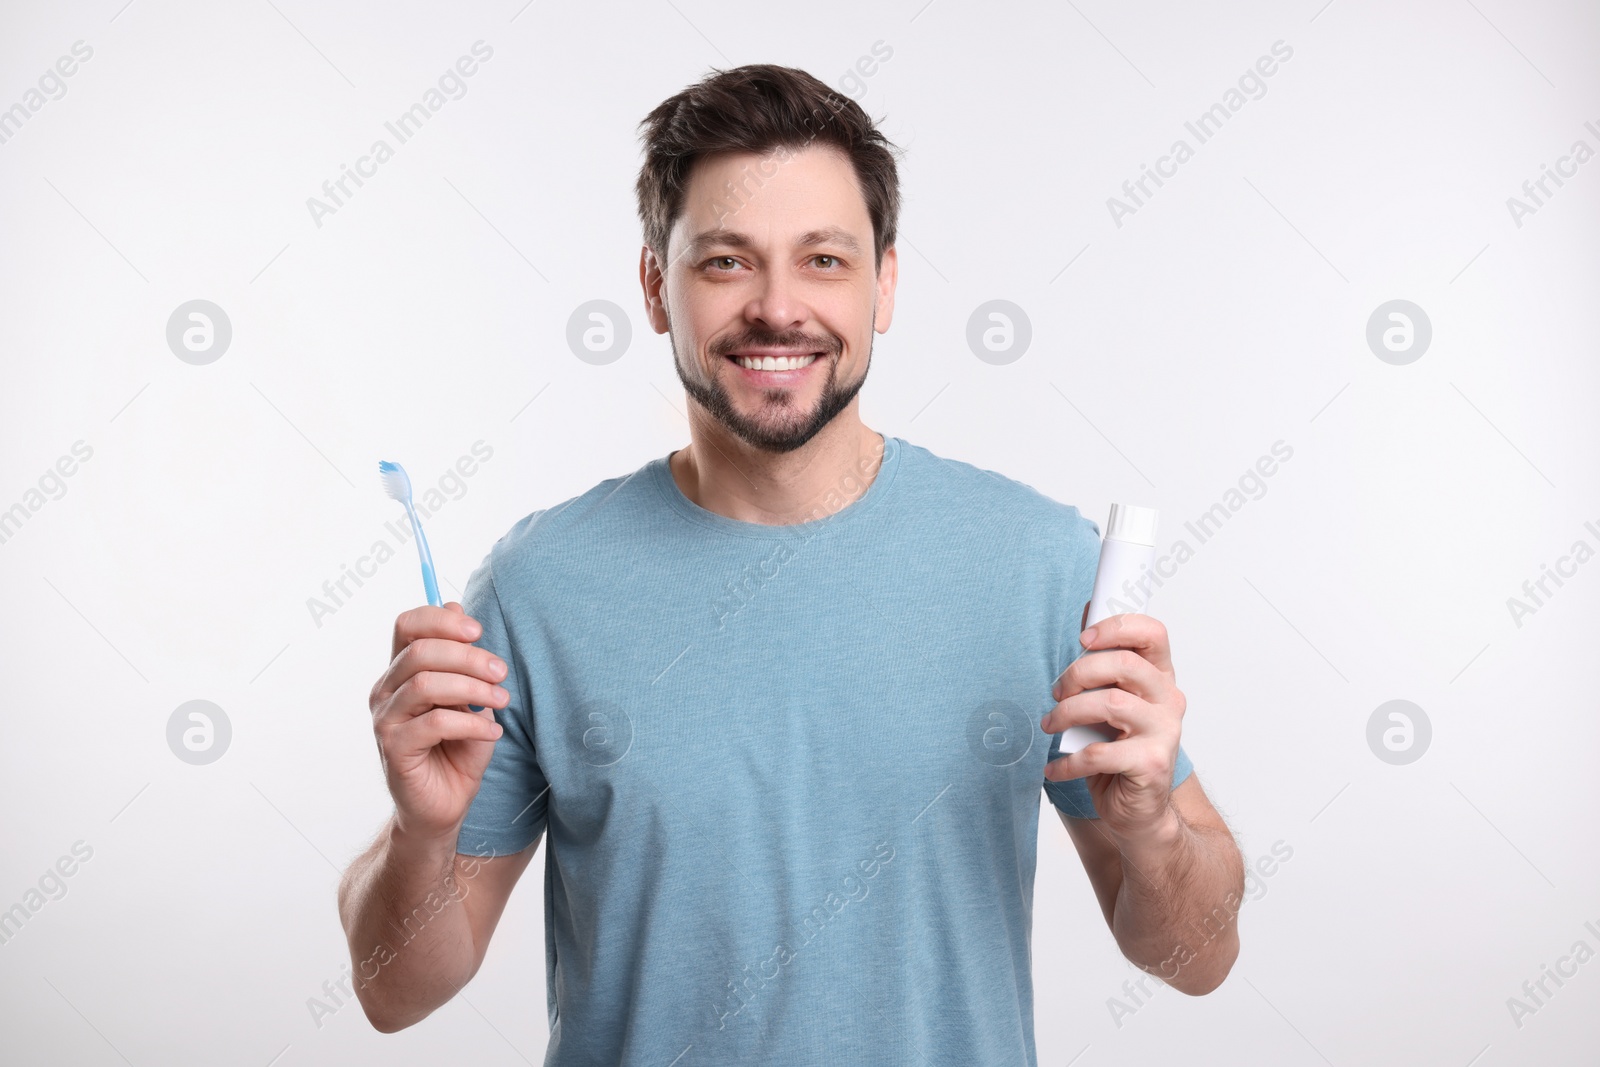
779,426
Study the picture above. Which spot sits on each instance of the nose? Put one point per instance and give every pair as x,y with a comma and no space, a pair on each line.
777,304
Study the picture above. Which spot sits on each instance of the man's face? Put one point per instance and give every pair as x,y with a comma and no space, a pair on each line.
769,294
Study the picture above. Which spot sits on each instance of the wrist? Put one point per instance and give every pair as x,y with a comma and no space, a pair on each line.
1154,842
412,845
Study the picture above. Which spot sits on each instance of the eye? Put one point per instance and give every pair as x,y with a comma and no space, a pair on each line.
723,264
826,262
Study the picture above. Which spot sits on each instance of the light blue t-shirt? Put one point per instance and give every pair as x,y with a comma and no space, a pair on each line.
789,774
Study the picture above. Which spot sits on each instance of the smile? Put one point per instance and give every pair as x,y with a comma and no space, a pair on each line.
775,363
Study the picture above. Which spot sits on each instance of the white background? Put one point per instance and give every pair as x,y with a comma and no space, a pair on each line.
1227,314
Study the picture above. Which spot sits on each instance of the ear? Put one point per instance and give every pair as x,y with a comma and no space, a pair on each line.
888,275
653,281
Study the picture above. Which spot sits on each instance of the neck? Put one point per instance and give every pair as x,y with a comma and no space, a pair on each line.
725,475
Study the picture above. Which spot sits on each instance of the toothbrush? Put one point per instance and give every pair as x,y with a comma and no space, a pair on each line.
398,486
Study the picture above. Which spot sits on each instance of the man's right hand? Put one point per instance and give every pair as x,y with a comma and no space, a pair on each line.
434,747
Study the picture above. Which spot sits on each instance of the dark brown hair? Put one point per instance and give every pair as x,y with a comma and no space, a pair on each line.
759,108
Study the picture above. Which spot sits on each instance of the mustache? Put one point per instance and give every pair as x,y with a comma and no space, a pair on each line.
727,346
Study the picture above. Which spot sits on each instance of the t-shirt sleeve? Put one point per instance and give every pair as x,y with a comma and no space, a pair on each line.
509,812
1072,797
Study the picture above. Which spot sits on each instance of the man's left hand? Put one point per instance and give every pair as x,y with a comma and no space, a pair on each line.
1129,779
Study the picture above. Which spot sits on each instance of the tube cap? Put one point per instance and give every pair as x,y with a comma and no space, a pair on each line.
1131,523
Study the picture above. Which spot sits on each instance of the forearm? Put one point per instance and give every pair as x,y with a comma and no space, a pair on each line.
1176,909
410,939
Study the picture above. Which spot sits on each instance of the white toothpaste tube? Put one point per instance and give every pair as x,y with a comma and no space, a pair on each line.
1127,554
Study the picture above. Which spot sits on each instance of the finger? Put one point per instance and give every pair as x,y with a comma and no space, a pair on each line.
1117,707
1146,636
448,622
434,654
428,690
1138,757
1118,667
1142,759
418,735
1083,622
1101,757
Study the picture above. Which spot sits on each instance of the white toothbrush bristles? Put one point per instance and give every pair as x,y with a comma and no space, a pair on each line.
395,481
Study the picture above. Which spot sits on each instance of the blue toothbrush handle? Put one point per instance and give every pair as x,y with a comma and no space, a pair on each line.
429,582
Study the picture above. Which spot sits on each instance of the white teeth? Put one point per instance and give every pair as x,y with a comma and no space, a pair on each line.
775,362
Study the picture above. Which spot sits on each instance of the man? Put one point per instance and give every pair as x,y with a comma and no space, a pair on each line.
783,698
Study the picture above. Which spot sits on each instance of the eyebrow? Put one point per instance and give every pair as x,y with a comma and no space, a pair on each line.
735,239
